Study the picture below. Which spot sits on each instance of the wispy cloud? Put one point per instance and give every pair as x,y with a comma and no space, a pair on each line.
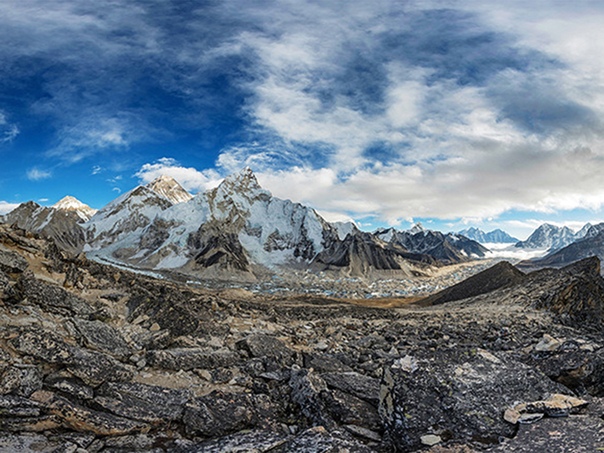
36,174
8,131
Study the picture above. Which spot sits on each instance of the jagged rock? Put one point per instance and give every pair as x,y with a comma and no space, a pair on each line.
80,418
21,380
307,388
102,337
29,425
219,414
142,402
190,358
23,443
260,345
456,394
359,385
11,262
347,409
65,383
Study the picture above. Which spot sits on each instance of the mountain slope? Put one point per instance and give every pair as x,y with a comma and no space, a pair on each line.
549,237
60,222
447,248
169,188
591,245
501,275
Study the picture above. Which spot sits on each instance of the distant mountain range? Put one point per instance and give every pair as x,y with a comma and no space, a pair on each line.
237,230
496,236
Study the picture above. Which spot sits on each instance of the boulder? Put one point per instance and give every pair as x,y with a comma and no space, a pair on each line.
11,262
261,345
102,337
147,403
458,394
359,385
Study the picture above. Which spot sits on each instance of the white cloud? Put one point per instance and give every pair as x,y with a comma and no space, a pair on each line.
35,174
6,207
190,178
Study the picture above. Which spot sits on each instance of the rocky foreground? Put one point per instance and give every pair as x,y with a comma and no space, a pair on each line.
95,359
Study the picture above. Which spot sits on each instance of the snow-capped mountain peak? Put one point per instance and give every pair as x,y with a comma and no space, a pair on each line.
417,228
169,188
70,203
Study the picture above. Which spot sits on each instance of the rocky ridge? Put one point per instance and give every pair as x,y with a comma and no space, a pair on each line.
97,359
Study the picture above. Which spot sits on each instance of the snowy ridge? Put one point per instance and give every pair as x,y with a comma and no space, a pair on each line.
169,188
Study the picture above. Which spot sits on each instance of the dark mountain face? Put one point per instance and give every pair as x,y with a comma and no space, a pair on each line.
446,248
499,276
59,225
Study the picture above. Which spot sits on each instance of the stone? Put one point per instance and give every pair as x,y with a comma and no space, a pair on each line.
21,380
306,391
219,414
102,337
319,439
556,405
547,344
16,406
260,345
242,442
556,435
11,262
359,385
430,440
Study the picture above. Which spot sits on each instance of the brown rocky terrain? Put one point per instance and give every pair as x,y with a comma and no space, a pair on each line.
97,359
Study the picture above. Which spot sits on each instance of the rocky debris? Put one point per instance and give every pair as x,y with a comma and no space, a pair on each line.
456,394
157,366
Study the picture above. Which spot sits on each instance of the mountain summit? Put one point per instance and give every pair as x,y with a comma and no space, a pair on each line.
169,188
72,204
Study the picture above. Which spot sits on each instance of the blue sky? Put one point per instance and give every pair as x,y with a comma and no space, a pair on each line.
453,113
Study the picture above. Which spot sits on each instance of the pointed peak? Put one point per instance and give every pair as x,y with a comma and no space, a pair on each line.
417,228
169,188
72,204
244,180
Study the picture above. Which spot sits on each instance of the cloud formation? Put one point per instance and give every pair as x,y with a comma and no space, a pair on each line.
35,174
384,110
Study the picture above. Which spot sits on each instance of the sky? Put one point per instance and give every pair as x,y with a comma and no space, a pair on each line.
453,113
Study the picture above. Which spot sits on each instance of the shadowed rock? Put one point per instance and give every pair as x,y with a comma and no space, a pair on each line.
501,275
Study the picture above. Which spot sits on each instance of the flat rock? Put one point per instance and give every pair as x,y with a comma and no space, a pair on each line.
257,441
52,298
318,439
359,385
147,403
557,435
260,345
102,337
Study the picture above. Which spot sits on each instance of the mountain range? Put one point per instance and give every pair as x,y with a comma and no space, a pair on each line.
496,236
236,230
